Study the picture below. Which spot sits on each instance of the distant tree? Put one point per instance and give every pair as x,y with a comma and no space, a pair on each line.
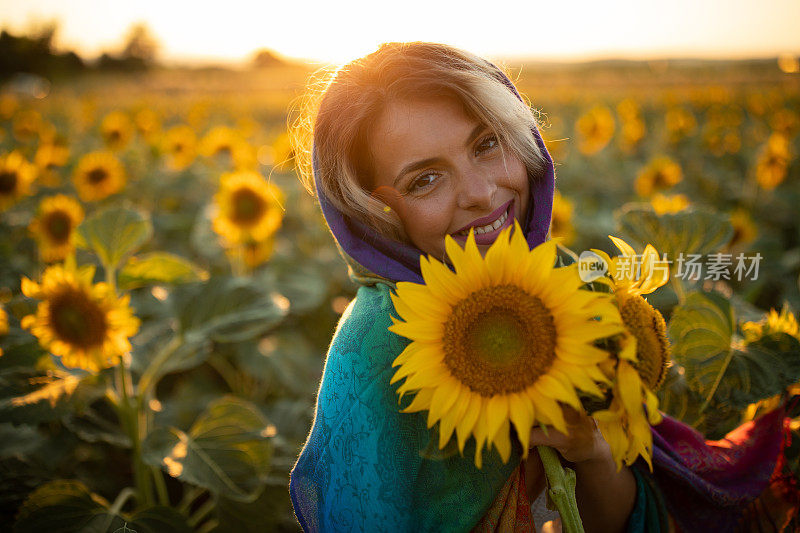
140,43
138,53
266,58
35,53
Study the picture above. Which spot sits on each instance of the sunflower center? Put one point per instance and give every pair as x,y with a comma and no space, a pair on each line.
660,180
77,320
248,207
650,330
58,225
8,182
499,339
96,175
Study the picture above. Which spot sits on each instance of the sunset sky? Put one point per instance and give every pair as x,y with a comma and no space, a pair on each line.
338,31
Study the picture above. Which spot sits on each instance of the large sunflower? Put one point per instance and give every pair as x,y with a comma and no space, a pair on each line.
248,208
501,341
54,227
98,175
85,324
16,176
643,354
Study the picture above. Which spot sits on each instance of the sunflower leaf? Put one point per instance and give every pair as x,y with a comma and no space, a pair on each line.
676,233
226,309
228,450
114,232
158,267
65,505
720,370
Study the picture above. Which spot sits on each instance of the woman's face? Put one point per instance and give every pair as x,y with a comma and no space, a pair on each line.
443,172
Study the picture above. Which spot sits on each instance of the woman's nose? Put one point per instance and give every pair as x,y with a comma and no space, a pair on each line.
476,189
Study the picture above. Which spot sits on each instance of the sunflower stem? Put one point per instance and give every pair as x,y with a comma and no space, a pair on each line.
161,486
131,424
678,288
562,489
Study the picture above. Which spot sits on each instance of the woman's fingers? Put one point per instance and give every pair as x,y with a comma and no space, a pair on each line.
583,441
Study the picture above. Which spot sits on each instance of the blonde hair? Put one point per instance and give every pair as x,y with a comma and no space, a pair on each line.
341,106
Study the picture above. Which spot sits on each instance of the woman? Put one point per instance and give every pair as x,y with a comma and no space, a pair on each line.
412,143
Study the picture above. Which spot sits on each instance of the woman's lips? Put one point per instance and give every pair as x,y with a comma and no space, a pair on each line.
488,219
489,237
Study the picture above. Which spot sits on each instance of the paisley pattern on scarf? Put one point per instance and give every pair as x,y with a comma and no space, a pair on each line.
362,468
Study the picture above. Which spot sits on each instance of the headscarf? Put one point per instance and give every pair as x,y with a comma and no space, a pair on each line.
367,466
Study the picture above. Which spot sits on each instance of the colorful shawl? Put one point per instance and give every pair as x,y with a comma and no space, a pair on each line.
368,467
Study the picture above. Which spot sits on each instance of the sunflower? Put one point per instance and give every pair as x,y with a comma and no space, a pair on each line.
116,130
252,253
774,322
220,140
501,341
8,105
669,204
773,162
98,175
595,129
248,208
54,227
180,146
561,223
3,324
660,173
85,324
680,123
643,354
744,229
16,176
50,156
148,124
27,124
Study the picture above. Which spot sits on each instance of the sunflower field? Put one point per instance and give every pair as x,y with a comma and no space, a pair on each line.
168,288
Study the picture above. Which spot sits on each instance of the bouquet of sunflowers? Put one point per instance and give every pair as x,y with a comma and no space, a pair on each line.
510,338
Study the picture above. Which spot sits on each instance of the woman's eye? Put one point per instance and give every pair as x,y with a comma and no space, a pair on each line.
486,144
422,182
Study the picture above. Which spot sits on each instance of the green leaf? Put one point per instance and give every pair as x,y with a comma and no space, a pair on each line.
65,506
285,359
701,331
226,309
158,268
721,370
227,450
114,233
694,231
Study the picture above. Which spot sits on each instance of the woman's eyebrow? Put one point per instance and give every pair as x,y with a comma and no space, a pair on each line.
422,163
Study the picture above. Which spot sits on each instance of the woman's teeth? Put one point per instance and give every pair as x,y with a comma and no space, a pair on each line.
487,228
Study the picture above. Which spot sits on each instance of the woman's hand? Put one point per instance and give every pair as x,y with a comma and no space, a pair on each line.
584,441
605,496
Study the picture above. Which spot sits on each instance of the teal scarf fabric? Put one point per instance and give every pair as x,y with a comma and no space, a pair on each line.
368,467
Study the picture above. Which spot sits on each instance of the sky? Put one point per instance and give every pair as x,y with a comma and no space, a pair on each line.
337,31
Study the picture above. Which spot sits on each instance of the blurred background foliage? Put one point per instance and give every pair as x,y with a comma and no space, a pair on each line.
178,186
